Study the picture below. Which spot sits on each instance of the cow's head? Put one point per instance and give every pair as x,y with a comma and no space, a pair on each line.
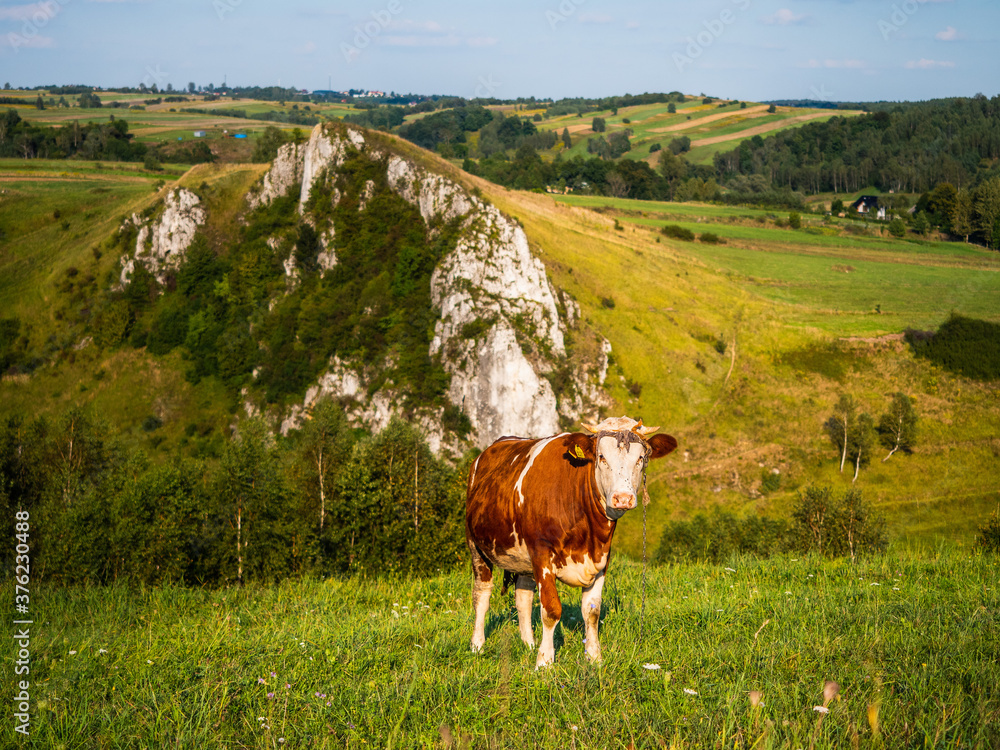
619,449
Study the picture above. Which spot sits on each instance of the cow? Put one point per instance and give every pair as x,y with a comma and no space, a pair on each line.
545,510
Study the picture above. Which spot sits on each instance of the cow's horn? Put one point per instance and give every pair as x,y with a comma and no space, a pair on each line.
644,431
592,429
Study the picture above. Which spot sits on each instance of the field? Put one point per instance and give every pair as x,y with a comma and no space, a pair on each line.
710,127
910,641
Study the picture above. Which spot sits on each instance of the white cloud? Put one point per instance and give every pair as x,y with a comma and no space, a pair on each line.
925,64
785,17
950,34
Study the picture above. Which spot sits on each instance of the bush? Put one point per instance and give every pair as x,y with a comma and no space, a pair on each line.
711,238
794,220
967,346
718,536
677,232
988,539
836,528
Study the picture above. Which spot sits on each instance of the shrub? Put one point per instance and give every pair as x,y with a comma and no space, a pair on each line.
967,346
717,536
711,238
988,539
795,220
836,528
608,303
677,232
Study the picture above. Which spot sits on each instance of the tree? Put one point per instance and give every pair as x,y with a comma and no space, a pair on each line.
861,442
598,125
921,225
39,102
567,141
837,206
680,145
898,426
191,87
897,228
986,206
772,109
325,447
671,108
860,529
961,217
795,220
251,488
838,427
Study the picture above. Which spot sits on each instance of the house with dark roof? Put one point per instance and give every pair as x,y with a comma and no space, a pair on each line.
868,204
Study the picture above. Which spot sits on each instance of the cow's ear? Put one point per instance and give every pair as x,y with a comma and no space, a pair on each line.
662,445
579,448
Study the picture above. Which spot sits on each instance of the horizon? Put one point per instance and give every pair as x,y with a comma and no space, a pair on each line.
758,50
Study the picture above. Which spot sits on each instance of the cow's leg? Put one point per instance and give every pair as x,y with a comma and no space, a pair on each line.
591,606
482,587
551,612
524,596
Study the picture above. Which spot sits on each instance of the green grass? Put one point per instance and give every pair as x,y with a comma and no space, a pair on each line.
386,662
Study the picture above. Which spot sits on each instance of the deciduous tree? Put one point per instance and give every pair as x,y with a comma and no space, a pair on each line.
898,426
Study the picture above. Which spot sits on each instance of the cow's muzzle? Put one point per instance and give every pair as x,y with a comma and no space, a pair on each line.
623,500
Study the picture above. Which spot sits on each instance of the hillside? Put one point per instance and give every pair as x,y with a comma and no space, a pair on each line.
740,350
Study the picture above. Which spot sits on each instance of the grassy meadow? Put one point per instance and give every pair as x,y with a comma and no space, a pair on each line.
910,641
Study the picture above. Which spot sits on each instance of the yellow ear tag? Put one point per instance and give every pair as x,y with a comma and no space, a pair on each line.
578,452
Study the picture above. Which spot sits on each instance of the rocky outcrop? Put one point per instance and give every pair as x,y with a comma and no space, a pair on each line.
500,331
163,239
285,171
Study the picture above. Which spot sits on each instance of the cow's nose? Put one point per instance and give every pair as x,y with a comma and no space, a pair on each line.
623,500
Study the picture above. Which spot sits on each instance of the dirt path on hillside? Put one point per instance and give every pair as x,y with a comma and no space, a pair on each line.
688,124
765,128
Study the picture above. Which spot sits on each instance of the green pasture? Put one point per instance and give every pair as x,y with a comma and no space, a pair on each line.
699,656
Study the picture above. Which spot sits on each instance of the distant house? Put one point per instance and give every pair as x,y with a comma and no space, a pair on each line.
868,203
199,134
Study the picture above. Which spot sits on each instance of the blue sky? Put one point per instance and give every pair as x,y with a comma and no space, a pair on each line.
848,50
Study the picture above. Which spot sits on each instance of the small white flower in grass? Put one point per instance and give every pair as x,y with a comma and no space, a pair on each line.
651,667
874,584
821,709
689,691
811,575
148,661
789,593
72,653
731,570
280,740
103,651
720,610
895,588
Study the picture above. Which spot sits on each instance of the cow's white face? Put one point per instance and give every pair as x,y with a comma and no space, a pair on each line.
619,470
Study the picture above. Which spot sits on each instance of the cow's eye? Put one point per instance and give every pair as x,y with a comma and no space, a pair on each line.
602,459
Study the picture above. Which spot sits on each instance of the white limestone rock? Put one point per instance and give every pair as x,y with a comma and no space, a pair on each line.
285,171
161,244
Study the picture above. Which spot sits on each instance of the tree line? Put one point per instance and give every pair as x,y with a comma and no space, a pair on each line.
327,500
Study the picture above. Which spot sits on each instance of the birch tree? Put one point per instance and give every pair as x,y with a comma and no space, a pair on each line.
898,426
838,427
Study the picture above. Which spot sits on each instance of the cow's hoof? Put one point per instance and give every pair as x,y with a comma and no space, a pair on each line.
476,647
543,661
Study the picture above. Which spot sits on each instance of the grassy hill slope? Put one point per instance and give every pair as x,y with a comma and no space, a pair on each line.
740,350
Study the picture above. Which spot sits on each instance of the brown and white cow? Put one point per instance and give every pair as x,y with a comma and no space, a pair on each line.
545,510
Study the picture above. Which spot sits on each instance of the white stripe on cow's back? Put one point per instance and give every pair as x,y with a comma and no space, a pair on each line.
539,447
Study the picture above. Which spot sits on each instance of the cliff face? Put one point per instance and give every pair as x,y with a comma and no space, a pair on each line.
501,327
162,239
